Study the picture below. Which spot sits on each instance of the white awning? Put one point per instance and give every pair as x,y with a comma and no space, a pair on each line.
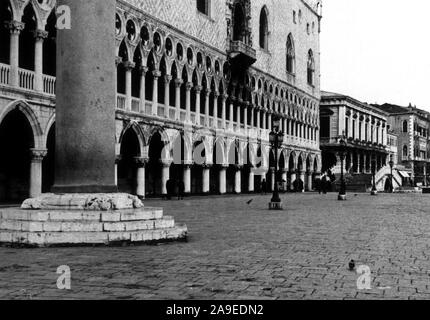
404,174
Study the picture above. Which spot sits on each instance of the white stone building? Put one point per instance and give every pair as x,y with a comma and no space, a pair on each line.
206,75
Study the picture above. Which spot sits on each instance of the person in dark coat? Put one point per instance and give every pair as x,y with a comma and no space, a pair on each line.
181,190
324,184
264,186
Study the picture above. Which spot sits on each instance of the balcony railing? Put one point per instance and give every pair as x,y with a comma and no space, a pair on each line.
120,101
49,84
4,74
26,79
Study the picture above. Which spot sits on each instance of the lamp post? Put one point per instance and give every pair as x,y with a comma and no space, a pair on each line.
342,155
391,163
276,138
374,190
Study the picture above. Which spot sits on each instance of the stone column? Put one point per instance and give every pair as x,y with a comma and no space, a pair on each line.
365,163
245,114
85,109
310,182
167,79
238,111
252,117
40,36
231,113
143,71
216,96
293,178
15,28
188,87
198,90
251,179
302,177
128,66
263,115
358,162
269,121
223,180
207,96
140,176
157,74
178,84
238,181
37,157
165,176
187,178
117,161
285,174
224,111
206,179
258,119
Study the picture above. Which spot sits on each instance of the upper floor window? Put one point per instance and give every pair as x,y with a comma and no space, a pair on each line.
290,54
405,153
264,29
311,68
405,126
203,6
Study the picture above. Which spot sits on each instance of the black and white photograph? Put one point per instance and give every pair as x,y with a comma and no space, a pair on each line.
243,151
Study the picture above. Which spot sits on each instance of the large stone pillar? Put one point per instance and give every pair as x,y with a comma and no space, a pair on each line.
293,179
309,185
143,71
231,112
85,109
223,180
207,96
188,87
15,28
167,79
216,96
251,181
39,36
178,84
198,90
36,172
157,74
302,178
140,177
223,111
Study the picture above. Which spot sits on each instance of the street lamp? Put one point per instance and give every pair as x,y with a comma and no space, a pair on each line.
391,163
342,155
276,138
374,190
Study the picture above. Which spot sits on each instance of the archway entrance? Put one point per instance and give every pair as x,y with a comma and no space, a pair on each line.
16,140
154,167
48,164
233,161
130,149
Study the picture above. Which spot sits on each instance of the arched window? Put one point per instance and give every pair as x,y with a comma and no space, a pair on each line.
405,126
290,54
405,152
311,68
238,23
203,6
5,16
264,29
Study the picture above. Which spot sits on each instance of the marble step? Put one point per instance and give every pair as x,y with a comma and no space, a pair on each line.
47,239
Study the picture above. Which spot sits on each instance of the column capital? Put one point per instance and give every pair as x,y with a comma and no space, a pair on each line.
129,65
143,70
198,89
37,155
140,162
118,60
166,163
156,74
189,86
216,94
40,34
167,78
15,27
225,97
178,82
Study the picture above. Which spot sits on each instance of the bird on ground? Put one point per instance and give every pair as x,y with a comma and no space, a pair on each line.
250,201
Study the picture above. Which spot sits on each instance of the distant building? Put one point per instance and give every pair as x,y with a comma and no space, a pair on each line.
412,126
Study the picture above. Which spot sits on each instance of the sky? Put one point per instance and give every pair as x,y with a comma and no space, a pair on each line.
377,51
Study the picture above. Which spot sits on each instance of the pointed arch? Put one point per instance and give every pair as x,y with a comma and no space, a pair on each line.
264,28
291,55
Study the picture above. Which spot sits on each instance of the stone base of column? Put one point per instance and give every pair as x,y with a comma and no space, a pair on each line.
276,206
342,197
58,189
86,219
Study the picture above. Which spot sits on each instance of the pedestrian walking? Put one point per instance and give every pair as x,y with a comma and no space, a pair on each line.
264,187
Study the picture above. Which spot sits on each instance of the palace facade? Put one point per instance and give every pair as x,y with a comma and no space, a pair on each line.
198,86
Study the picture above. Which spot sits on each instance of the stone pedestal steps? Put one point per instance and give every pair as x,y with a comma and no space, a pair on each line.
43,228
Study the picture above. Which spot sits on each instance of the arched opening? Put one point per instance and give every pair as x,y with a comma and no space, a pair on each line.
50,46
233,161
27,40
149,77
212,100
120,82
203,95
199,157
311,68
172,85
130,149
179,157
193,92
264,29
329,161
258,164
136,74
238,23
153,168
290,54
184,88
246,169
162,81
217,160
48,164
405,126
16,140
5,16
292,167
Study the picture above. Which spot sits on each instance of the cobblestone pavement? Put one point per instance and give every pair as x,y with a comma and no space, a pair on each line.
241,251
